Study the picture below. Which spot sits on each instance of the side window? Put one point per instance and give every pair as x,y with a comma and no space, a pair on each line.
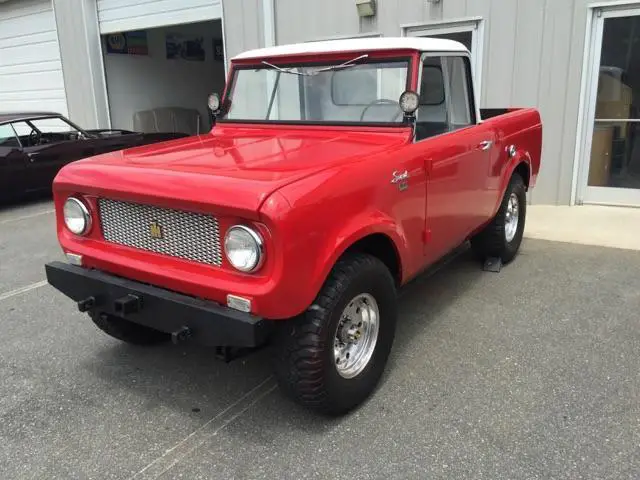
8,137
432,118
23,130
459,88
445,97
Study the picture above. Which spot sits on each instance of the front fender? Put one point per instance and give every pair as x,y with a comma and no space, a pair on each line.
356,230
304,266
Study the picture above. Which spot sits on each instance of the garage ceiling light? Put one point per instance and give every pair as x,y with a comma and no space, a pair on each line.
366,8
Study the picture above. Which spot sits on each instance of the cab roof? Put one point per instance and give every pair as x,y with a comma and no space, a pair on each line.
357,45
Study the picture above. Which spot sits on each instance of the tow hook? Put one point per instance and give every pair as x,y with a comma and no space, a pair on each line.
228,354
180,335
86,304
128,304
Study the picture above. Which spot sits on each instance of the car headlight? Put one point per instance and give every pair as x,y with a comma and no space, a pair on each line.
244,248
76,216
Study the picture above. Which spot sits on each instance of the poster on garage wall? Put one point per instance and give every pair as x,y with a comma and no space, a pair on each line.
218,50
185,47
128,43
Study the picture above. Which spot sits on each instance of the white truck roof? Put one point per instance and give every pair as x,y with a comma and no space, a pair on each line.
357,45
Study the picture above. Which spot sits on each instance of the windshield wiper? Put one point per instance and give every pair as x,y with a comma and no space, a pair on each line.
347,64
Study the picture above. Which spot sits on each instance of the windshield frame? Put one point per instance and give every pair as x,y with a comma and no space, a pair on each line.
255,63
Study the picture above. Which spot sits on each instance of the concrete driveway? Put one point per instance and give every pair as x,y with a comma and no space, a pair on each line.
529,373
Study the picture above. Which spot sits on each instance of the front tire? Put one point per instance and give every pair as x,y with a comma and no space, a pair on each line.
503,236
127,331
331,357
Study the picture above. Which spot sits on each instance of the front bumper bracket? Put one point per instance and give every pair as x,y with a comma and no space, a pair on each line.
181,316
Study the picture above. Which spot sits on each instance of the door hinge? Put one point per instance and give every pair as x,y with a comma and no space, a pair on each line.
598,12
426,235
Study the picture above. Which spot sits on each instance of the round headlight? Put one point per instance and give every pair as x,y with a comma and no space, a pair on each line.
244,248
76,216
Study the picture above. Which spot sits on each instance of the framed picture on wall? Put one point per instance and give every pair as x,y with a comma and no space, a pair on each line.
218,50
185,47
128,43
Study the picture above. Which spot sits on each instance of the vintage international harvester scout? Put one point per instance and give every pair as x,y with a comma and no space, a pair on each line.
334,173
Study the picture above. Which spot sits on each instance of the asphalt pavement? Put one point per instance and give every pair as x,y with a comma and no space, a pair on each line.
531,373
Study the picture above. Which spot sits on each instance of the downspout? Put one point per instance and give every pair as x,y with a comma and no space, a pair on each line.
269,40
269,22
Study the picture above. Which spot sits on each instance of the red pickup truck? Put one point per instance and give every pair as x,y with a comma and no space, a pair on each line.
335,172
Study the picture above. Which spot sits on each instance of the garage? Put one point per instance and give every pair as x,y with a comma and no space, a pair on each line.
30,68
161,61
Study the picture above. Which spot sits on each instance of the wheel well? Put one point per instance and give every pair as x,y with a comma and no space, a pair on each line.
382,247
523,170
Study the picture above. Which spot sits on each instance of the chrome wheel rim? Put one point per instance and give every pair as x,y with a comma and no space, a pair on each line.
356,335
511,217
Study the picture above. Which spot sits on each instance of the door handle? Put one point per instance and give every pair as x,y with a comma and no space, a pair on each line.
31,155
486,145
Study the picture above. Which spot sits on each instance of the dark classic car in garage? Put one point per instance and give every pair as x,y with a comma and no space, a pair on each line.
35,145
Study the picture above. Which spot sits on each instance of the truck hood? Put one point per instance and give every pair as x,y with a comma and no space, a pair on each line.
232,168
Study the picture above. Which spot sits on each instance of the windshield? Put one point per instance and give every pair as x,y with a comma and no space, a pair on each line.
44,125
339,92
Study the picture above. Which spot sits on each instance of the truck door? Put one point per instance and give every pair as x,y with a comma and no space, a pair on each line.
478,139
454,151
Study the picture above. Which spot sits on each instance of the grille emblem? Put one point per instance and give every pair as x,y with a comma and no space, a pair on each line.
155,230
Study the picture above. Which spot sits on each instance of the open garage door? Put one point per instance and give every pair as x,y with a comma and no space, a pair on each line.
162,59
30,67
123,15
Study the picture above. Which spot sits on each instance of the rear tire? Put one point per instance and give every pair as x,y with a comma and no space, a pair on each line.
127,331
339,327
503,236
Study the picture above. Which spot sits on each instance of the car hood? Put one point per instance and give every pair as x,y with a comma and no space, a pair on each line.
238,168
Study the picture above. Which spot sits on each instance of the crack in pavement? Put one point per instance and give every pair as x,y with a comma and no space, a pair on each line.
210,429
18,291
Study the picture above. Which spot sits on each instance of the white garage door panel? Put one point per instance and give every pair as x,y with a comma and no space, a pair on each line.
31,53
48,66
40,20
30,67
123,15
33,81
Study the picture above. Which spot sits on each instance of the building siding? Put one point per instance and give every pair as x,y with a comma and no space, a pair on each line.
84,81
243,26
527,52
532,55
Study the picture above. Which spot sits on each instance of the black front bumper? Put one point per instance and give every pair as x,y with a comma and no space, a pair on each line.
204,321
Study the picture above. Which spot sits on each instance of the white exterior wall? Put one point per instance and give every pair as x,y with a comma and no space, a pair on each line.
31,75
532,53
532,56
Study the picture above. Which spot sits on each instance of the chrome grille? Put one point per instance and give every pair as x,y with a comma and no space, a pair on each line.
188,235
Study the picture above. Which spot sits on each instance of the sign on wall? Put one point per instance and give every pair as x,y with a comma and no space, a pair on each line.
128,43
185,47
218,50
